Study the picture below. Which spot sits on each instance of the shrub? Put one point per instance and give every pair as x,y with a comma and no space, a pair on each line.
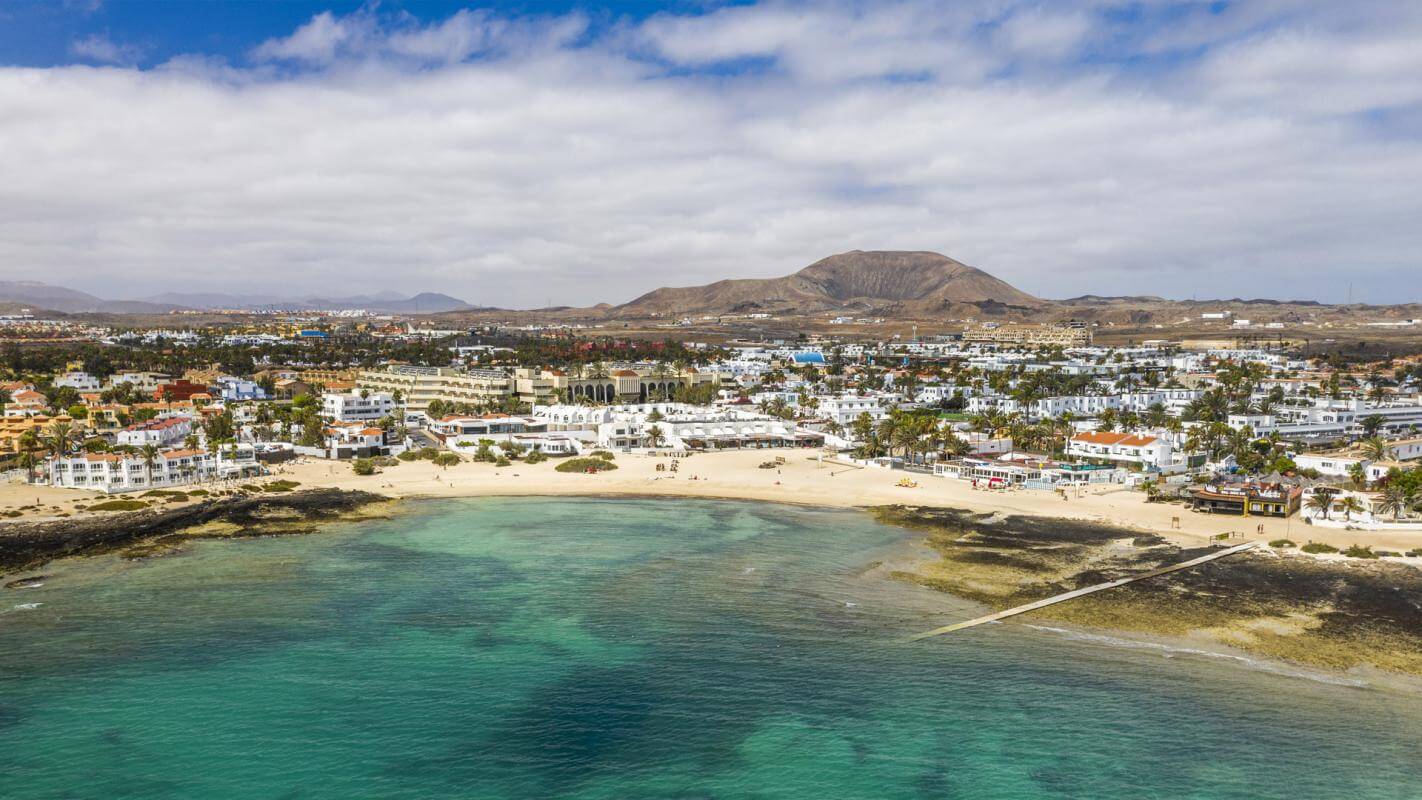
535,457
586,465
278,486
445,460
409,455
602,454
1319,547
118,505
1414,553
1281,543
385,461
1359,551
363,466
198,493
1387,554
502,462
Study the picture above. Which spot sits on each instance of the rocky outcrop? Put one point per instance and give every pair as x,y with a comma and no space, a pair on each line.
25,545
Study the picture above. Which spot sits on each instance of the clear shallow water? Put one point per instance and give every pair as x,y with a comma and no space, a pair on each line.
626,649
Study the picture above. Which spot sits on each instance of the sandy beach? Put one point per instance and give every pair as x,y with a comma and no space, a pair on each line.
803,479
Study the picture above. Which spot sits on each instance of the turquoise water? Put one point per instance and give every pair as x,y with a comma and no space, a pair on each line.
626,649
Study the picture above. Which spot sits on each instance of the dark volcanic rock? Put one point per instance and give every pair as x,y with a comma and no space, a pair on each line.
24,545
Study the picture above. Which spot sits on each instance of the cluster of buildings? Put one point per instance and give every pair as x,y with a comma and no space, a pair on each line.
1124,414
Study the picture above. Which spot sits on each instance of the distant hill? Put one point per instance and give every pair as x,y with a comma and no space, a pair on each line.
42,295
423,303
881,281
35,294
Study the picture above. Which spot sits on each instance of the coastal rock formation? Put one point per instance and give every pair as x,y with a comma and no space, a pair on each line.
25,545
1337,615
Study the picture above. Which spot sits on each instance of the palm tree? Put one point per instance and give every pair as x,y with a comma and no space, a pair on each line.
1359,474
1394,501
1350,506
149,454
1372,424
655,435
1374,448
61,436
1321,501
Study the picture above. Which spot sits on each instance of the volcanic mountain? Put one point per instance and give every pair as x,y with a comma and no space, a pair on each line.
889,282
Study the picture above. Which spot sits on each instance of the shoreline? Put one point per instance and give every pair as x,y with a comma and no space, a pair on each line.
736,475
806,482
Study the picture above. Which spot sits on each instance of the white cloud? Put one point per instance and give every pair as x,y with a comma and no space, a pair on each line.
517,161
104,50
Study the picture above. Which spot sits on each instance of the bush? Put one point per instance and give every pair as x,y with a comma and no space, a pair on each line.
423,454
278,486
602,454
118,505
586,465
535,457
385,461
502,462
363,466
1282,543
1359,551
1319,547
446,460
1387,554
1414,553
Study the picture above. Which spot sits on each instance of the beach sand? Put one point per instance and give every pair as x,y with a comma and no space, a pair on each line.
805,479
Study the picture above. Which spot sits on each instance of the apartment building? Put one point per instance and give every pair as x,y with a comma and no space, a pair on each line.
118,472
419,386
369,407
1029,336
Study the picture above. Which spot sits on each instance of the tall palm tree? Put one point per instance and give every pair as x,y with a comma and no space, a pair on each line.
149,454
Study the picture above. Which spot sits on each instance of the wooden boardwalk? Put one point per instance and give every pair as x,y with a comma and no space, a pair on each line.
1075,593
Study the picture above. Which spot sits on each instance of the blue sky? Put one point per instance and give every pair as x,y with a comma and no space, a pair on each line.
520,153
39,33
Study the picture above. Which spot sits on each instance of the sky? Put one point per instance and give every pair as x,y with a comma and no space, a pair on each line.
534,153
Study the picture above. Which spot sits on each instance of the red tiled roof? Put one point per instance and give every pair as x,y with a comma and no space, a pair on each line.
1107,438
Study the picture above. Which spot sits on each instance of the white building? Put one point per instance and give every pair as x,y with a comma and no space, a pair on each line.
678,426
357,408
846,408
1147,451
163,432
79,381
116,472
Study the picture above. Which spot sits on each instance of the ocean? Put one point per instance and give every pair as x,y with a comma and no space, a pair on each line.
601,648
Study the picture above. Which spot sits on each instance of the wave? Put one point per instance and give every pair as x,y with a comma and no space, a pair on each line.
1169,651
